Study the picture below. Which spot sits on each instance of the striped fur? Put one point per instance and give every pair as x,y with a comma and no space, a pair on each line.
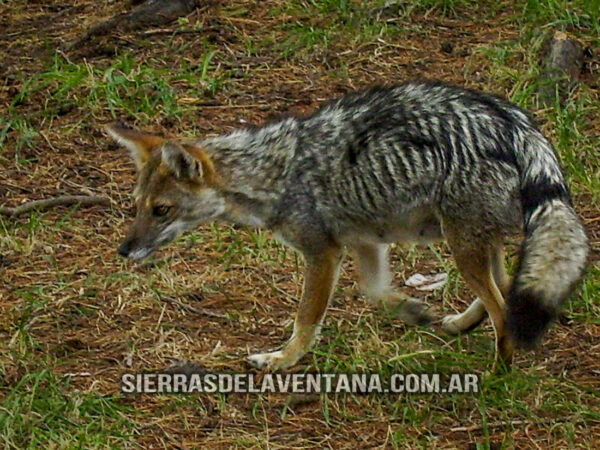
414,162
375,157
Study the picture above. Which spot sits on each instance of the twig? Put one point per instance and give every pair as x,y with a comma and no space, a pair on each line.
502,423
193,309
15,186
65,200
199,101
498,424
176,31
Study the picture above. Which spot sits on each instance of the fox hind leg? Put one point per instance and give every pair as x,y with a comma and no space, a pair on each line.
475,313
375,283
501,277
475,261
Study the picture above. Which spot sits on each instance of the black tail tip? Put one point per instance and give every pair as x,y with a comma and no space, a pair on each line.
527,320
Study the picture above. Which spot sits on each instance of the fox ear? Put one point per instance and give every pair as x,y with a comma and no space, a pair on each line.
140,144
183,162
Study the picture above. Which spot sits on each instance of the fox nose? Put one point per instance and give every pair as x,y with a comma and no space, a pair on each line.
124,249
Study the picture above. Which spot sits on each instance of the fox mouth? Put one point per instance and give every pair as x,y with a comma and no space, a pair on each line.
144,251
142,247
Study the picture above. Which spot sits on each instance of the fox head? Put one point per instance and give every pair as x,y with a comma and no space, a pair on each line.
175,191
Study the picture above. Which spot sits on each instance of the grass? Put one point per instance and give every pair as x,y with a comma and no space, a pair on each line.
42,410
580,16
319,25
75,317
123,89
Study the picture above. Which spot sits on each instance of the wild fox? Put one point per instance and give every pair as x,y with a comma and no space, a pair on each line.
419,162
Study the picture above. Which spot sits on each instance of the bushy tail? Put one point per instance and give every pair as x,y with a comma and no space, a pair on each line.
554,252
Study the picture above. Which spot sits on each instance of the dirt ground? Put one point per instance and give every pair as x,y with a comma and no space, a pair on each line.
75,312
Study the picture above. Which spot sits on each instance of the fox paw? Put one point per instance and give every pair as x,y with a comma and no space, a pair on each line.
451,324
272,361
409,310
414,312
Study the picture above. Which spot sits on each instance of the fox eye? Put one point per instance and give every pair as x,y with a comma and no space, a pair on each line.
161,210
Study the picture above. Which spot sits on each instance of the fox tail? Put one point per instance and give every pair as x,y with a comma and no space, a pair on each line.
555,248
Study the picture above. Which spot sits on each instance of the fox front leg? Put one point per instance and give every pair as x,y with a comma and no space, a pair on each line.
320,278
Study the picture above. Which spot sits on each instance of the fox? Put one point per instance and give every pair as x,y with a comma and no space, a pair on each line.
418,162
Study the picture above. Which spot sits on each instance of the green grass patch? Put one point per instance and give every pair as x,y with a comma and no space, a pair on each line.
320,25
43,411
580,16
125,88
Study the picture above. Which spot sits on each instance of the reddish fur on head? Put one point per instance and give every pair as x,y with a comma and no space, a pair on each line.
138,143
176,189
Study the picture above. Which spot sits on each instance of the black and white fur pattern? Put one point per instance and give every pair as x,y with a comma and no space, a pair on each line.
399,163
416,162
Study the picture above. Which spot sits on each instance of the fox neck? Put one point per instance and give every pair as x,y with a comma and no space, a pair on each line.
251,167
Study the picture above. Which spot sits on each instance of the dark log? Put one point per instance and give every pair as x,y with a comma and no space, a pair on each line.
151,13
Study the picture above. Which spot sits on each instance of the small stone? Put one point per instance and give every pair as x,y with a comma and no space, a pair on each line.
447,47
